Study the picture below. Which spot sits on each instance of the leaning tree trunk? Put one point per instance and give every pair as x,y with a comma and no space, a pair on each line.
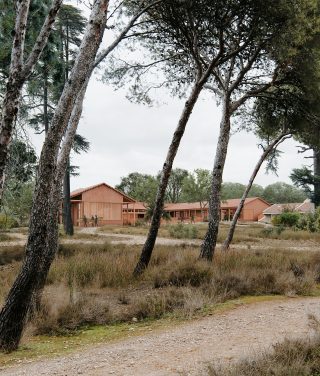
10,109
165,174
15,311
67,217
236,216
210,240
55,199
316,172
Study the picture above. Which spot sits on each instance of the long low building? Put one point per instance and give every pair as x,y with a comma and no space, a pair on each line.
102,204
191,212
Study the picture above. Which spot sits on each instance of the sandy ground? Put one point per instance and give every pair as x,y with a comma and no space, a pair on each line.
186,349
129,239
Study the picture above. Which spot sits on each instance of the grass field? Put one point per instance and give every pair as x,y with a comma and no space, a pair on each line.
91,284
244,233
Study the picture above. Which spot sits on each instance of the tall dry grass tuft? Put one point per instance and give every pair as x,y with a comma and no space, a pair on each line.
289,358
93,284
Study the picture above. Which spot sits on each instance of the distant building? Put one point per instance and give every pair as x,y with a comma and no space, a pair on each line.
276,209
99,205
251,212
102,204
198,212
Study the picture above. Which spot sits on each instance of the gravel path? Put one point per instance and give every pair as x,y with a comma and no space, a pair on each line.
185,349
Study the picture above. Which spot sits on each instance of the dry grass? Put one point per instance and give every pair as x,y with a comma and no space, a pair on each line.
92,284
290,358
4,237
249,233
10,254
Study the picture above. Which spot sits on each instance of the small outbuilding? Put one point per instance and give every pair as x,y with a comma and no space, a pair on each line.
274,210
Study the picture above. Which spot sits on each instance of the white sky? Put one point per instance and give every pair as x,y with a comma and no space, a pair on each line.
128,137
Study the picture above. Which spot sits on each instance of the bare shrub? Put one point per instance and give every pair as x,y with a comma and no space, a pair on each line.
294,358
93,284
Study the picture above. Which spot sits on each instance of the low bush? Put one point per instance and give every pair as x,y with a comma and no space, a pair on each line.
93,284
9,254
291,358
71,316
182,231
286,219
7,222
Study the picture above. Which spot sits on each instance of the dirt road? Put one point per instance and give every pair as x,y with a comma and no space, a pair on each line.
186,349
130,239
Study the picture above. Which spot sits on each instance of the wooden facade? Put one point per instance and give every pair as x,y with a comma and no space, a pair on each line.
102,204
98,205
192,212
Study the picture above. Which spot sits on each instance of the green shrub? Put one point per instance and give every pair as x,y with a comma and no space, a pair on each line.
181,231
266,232
286,219
7,221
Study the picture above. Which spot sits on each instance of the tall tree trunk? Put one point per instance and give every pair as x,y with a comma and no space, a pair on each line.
45,102
210,240
53,244
316,172
67,217
15,311
236,216
9,114
18,73
165,174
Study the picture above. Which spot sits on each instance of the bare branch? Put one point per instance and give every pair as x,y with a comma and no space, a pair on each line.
102,55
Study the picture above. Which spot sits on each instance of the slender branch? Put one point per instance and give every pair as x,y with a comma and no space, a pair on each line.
22,11
273,146
102,55
42,38
246,69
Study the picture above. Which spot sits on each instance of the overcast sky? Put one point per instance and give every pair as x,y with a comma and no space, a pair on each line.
128,137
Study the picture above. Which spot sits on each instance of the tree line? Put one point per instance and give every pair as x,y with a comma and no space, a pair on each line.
185,186
258,60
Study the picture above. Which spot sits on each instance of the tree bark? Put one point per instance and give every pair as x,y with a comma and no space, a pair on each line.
210,239
15,311
45,102
67,216
236,216
55,198
165,174
316,172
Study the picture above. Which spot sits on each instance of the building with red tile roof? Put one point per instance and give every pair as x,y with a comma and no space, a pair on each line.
198,211
102,204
